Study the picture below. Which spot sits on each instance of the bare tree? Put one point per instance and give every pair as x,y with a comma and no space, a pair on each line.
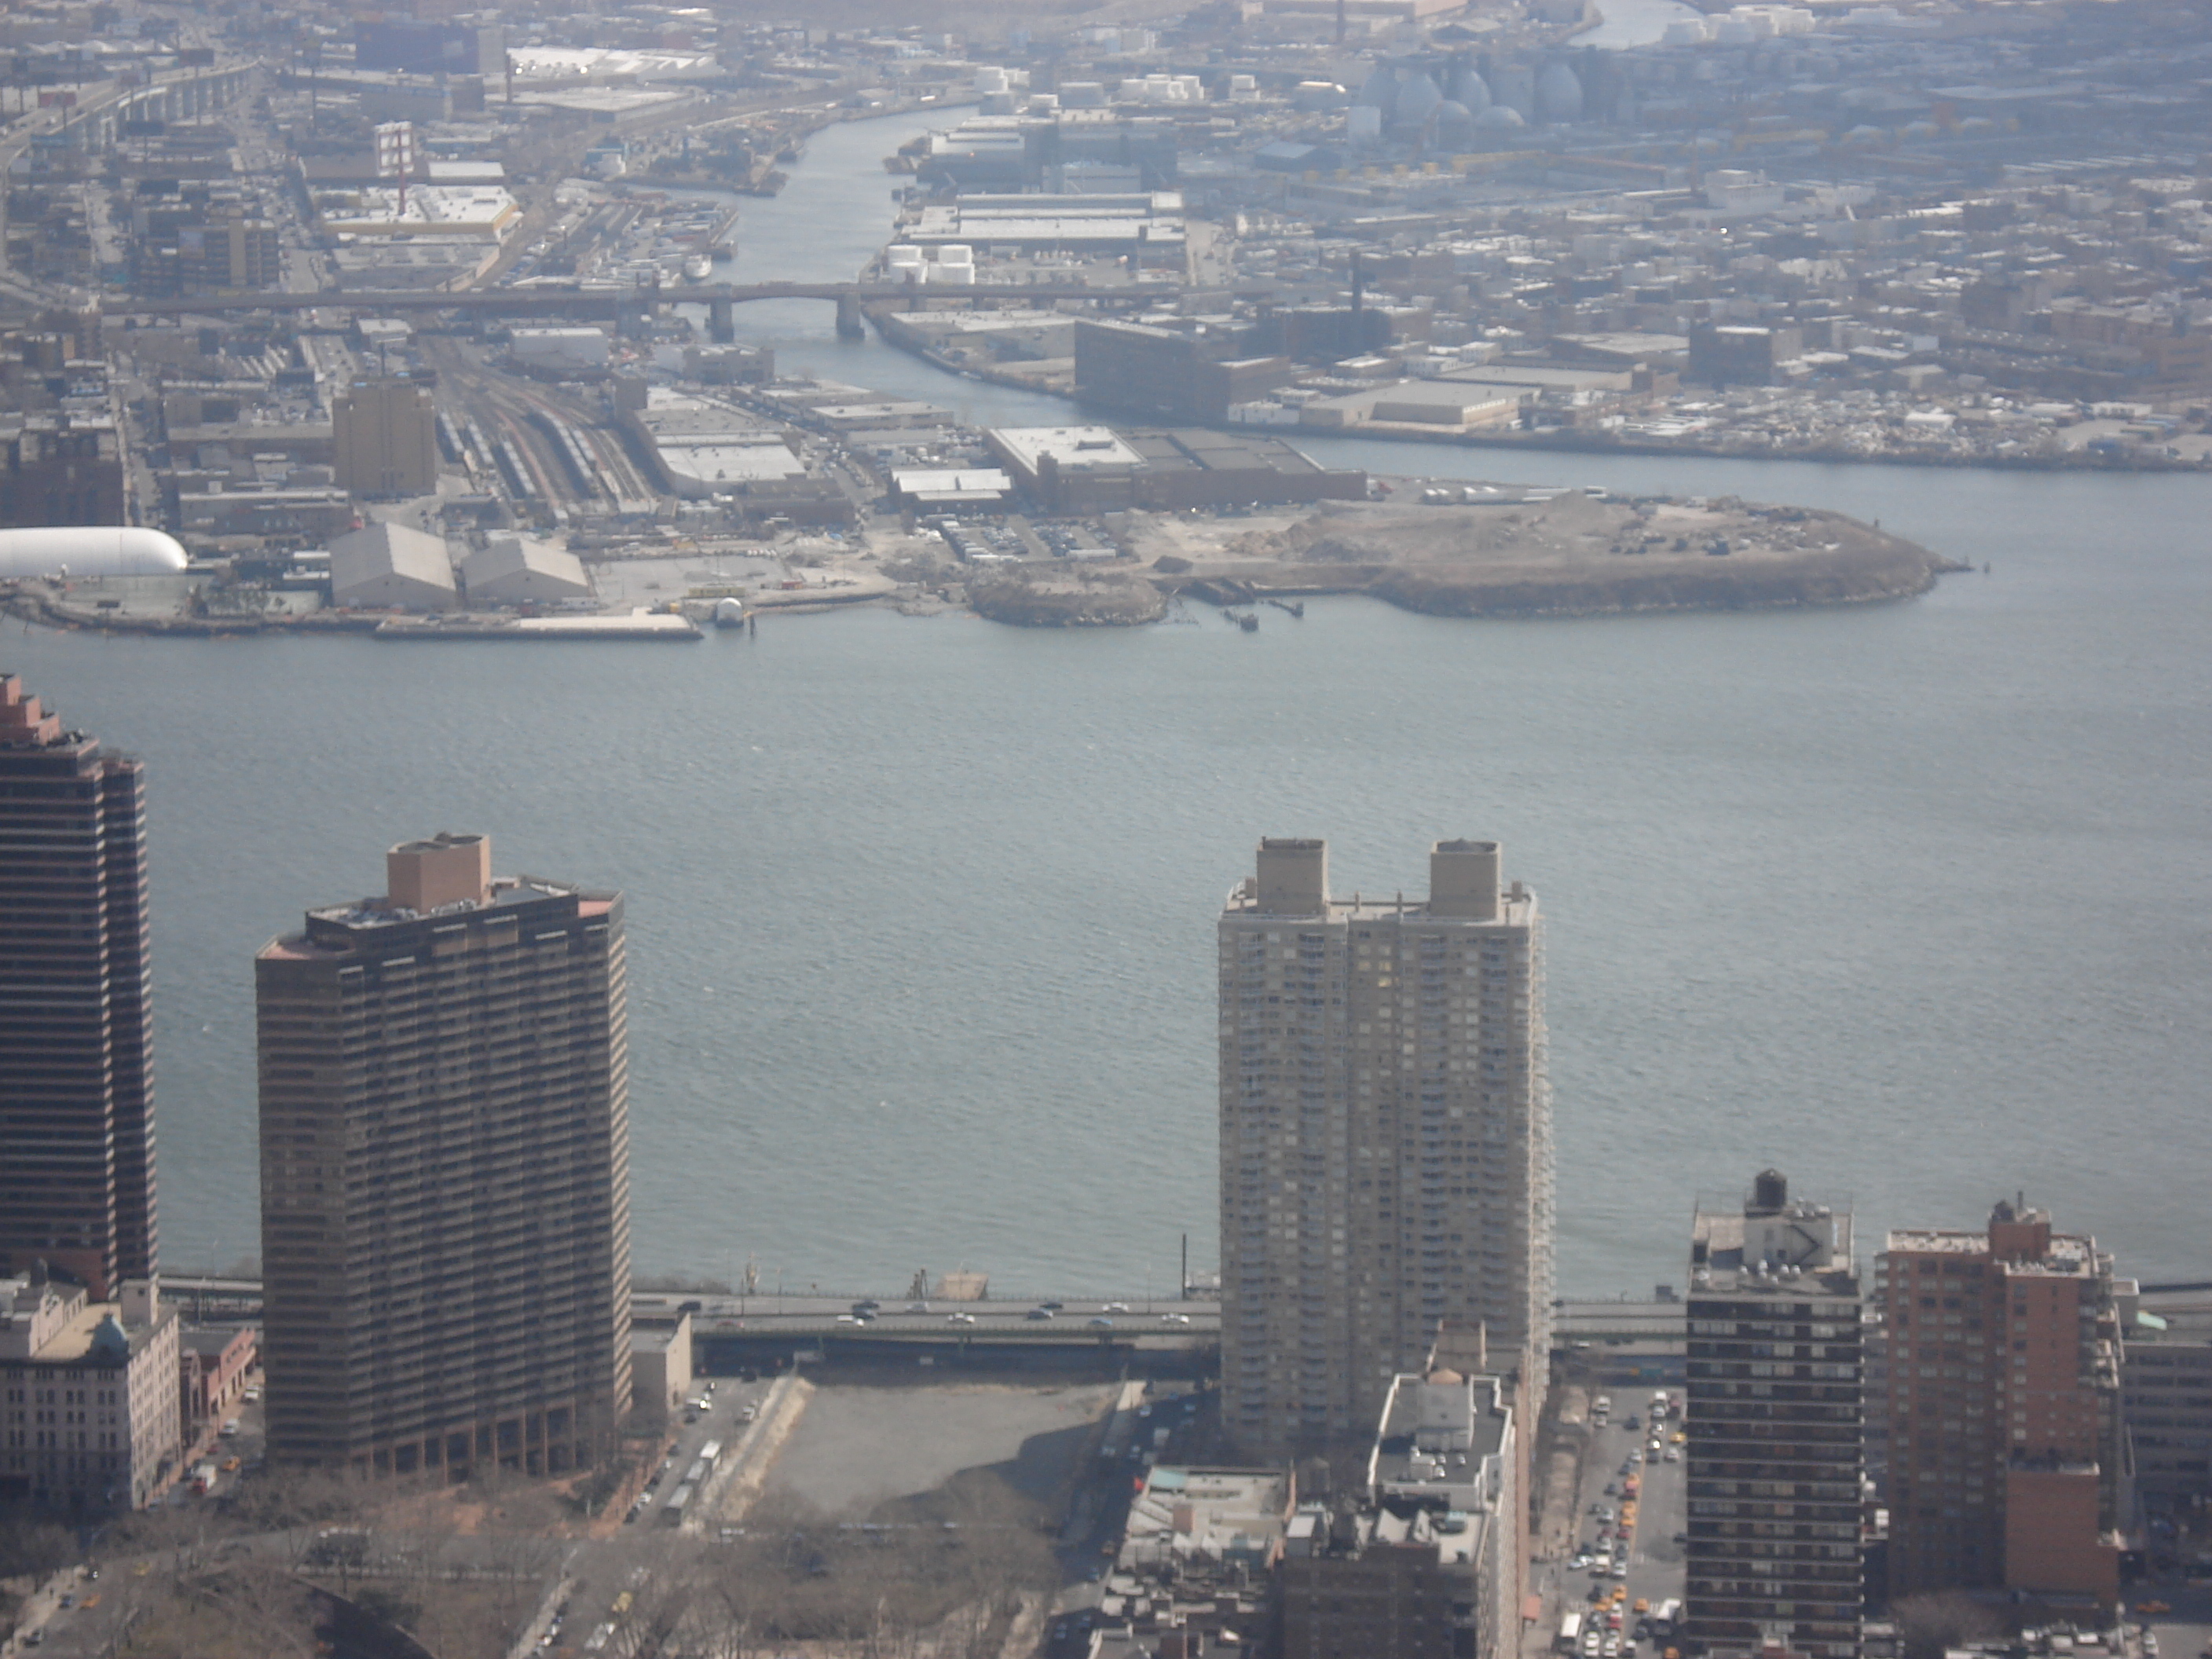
1928,1624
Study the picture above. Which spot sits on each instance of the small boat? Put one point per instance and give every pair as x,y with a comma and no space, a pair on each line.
698,267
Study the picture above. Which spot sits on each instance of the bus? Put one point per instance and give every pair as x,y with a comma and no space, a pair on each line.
1570,1633
710,1452
672,1514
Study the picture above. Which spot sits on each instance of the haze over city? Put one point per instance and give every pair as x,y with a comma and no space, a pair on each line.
1637,564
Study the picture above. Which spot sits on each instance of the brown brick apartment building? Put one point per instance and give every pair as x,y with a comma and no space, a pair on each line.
2001,1407
445,1172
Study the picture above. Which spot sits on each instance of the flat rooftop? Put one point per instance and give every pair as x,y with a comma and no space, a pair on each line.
366,914
1399,1459
1513,910
1723,1232
1207,1515
1069,445
2071,1255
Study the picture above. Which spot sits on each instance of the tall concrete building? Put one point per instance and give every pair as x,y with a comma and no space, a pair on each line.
76,1117
1386,1141
445,1186
384,437
2002,1410
1773,1416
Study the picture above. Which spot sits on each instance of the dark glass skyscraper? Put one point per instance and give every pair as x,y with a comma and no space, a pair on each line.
76,1123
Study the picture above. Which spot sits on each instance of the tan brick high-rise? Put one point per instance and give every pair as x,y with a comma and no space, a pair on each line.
1386,1143
445,1197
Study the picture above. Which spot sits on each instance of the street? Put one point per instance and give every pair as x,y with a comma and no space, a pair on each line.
1614,1453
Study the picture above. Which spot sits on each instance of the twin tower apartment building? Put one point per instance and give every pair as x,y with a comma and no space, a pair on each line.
1386,1141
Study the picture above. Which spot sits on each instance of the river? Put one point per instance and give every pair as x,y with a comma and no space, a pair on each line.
1909,901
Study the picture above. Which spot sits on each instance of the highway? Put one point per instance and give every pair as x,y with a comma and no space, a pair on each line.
1159,1323
770,1313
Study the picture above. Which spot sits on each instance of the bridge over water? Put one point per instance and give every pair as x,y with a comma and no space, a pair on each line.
618,303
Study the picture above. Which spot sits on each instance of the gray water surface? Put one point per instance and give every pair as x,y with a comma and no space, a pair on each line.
1909,900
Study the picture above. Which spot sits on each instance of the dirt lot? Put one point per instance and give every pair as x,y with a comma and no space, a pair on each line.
859,1447
1511,551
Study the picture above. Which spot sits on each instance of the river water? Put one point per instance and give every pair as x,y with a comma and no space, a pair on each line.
1909,900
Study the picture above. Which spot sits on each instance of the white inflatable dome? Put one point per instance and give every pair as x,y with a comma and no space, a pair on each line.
89,550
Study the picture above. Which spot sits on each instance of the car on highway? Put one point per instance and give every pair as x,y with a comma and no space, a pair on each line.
1175,1318
1115,1307
1038,1314
960,1319
1102,1324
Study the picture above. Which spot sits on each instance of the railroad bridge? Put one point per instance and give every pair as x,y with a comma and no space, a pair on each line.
628,307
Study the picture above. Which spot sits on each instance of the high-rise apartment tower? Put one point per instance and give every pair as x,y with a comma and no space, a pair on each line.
76,1116
2002,1404
1386,1139
1773,1416
445,1186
